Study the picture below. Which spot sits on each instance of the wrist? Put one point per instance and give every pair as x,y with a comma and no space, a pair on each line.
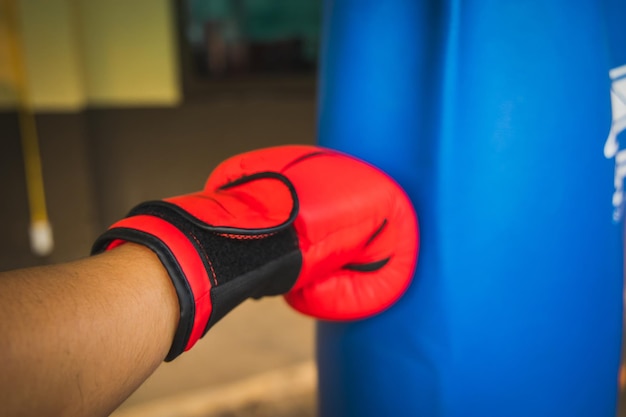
151,278
211,271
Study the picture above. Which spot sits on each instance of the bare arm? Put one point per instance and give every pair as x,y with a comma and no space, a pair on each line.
78,338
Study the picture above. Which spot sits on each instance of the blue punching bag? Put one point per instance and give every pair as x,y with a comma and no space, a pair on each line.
502,120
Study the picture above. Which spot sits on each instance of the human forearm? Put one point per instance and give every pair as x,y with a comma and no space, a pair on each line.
107,322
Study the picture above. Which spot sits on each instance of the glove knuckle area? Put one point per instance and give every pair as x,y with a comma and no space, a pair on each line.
380,263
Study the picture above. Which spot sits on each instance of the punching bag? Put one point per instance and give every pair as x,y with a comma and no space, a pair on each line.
503,121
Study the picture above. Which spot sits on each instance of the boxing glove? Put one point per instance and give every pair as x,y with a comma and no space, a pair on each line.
335,235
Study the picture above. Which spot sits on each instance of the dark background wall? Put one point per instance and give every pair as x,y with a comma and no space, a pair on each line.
102,157
98,163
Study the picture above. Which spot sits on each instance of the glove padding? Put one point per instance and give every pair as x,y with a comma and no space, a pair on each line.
337,236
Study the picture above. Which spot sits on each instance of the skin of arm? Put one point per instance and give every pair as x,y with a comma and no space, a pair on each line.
77,339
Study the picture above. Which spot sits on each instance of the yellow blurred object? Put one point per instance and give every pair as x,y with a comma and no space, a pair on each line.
41,238
85,53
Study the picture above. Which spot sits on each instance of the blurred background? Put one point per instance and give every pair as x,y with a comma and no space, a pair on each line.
105,104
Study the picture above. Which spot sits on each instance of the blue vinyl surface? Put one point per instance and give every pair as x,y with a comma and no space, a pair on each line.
494,116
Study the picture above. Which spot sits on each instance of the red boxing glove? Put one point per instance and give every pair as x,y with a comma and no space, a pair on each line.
337,236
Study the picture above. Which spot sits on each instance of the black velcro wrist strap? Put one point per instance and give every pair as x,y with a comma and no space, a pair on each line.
238,266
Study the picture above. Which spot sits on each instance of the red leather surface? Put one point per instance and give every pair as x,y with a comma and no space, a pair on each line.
343,202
